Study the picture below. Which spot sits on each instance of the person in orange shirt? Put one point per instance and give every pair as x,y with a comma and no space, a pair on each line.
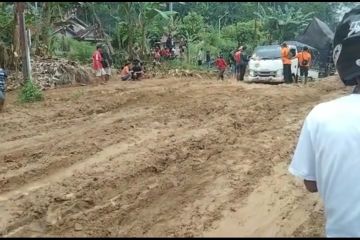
286,59
304,58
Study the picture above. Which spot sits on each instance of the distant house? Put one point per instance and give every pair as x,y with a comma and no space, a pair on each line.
73,27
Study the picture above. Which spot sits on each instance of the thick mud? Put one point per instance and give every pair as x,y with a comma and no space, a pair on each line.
162,157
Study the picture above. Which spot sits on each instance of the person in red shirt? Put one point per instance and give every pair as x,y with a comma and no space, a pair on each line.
221,65
167,53
237,58
97,65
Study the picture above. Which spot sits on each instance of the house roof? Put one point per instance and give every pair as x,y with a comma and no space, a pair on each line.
82,34
65,28
74,18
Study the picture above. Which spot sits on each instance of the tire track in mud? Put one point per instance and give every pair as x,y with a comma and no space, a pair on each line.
106,154
63,149
192,183
35,150
135,174
54,134
279,206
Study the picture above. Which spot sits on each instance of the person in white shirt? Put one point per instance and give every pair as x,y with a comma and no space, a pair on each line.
327,155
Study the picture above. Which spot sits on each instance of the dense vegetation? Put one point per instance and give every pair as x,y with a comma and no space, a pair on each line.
131,24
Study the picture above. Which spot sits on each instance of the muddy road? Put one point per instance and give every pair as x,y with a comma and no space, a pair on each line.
162,157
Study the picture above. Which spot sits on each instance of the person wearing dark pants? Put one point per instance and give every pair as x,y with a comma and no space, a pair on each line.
304,71
137,70
208,59
221,74
242,71
237,58
287,73
3,78
286,59
243,63
304,59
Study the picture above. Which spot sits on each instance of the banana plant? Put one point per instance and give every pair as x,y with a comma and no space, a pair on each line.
147,14
283,24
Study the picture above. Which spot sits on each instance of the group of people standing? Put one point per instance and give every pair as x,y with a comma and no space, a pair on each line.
304,61
239,58
241,61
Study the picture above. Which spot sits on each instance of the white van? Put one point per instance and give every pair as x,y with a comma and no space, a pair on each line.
265,65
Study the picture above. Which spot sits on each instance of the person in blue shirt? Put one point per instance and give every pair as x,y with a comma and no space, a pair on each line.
3,78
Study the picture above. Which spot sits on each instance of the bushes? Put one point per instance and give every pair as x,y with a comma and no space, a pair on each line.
72,49
30,92
80,51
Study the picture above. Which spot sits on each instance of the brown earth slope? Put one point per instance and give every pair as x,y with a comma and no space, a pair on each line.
162,157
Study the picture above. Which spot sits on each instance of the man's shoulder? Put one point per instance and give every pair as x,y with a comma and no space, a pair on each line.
336,101
327,107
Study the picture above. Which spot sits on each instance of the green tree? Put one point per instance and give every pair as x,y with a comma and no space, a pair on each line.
193,25
147,13
283,23
244,33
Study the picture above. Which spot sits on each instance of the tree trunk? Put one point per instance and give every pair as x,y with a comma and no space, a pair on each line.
119,38
16,43
130,31
44,33
143,42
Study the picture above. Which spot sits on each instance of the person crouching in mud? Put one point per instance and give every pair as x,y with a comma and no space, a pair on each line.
3,78
125,73
137,70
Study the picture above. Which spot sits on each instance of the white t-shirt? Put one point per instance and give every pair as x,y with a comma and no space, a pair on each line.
328,152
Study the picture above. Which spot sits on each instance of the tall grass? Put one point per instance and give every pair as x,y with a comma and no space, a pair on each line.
72,49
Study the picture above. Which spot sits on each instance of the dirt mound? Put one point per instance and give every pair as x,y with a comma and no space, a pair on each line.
52,73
